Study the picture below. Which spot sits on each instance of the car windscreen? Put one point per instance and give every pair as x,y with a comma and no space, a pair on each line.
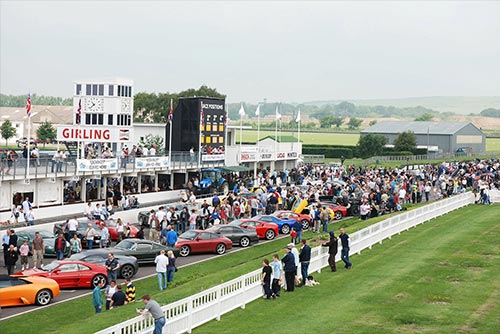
189,235
236,222
51,266
125,244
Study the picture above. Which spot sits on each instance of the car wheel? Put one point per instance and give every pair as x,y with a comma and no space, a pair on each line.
285,229
338,215
127,271
220,249
305,224
98,278
43,297
244,241
184,251
270,234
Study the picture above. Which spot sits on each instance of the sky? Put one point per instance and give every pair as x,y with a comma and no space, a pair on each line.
290,51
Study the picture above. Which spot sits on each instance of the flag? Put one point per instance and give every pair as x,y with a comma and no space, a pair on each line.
278,115
79,112
171,114
28,106
298,117
202,115
226,120
257,112
242,111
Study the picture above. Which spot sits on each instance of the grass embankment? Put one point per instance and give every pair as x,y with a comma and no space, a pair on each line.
441,277
77,316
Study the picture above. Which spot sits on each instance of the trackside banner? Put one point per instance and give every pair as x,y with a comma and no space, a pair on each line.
84,165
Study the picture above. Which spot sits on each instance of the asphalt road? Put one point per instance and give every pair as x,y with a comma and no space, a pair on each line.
144,271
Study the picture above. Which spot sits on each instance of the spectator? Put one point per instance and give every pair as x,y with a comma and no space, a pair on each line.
332,250
38,250
90,234
60,246
161,270
109,292
112,265
97,298
119,298
171,237
153,308
344,238
266,279
171,268
130,290
293,236
304,258
24,250
277,270
75,244
289,268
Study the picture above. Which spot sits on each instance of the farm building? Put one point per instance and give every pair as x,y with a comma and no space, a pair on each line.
445,136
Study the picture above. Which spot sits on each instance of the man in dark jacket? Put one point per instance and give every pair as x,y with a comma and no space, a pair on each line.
346,246
304,258
12,256
333,246
289,268
60,246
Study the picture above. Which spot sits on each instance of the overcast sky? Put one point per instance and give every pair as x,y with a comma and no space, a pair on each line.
284,51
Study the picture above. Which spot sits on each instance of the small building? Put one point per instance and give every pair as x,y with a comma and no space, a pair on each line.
448,137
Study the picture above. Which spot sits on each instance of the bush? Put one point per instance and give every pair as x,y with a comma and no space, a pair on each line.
329,151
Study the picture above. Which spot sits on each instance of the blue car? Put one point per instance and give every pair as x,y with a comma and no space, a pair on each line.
284,225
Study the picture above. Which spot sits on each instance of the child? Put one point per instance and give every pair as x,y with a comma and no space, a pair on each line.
24,251
293,235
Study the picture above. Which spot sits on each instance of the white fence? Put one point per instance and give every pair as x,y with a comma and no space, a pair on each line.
184,315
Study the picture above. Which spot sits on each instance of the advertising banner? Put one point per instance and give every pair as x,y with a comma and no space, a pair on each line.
212,157
93,134
84,165
248,157
151,162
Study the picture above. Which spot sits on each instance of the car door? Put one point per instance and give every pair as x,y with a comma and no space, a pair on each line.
85,274
66,275
205,242
11,289
144,252
229,232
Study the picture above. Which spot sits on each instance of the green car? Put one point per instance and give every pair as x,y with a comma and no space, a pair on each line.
48,240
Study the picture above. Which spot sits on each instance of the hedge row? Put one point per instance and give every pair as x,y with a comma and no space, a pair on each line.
349,152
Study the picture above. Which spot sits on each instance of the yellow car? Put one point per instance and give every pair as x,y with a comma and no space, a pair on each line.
24,290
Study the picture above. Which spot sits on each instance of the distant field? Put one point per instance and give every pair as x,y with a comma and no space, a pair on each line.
328,138
317,138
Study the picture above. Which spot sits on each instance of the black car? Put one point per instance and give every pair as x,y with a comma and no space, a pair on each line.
144,250
239,236
82,227
128,264
48,241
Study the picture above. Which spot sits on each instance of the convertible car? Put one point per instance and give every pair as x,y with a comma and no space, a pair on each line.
70,274
304,219
239,236
144,250
16,291
128,264
264,230
200,241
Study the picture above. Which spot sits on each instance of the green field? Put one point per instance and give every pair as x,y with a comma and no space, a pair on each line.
493,144
440,277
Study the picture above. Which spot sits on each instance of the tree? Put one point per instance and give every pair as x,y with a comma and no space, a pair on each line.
371,144
490,112
325,122
354,123
372,122
46,132
405,141
151,140
7,130
425,117
337,121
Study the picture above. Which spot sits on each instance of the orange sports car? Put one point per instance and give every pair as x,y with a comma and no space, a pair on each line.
21,290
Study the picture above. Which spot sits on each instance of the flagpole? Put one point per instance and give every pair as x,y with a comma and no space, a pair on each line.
201,134
276,135
241,132
79,152
257,158
28,112
299,120
170,118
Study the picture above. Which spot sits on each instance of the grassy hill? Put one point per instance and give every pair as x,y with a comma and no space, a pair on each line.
463,105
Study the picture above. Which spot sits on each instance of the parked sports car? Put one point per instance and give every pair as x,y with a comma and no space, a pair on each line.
304,219
82,227
70,274
144,250
113,234
15,291
48,240
128,264
284,225
337,211
199,241
264,230
239,236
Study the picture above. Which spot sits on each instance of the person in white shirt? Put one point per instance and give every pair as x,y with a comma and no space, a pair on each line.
152,151
89,236
160,214
26,205
161,269
72,227
145,152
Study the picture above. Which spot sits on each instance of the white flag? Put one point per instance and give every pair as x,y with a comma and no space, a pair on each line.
257,112
298,117
278,115
242,111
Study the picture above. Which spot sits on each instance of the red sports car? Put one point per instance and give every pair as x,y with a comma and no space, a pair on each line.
264,230
304,219
199,241
70,274
339,211
111,225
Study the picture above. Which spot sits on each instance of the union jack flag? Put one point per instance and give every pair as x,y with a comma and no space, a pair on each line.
79,112
202,115
171,114
28,106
